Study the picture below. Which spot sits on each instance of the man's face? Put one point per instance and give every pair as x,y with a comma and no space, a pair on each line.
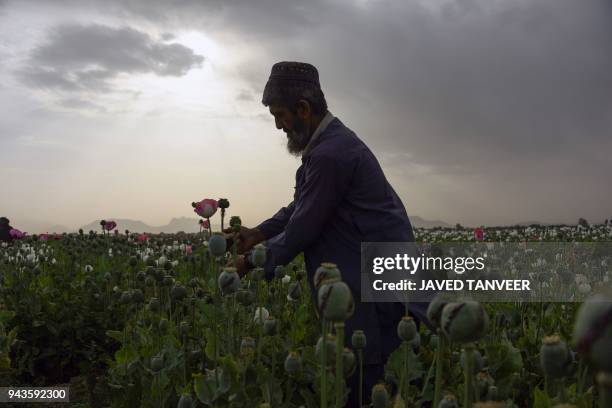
294,125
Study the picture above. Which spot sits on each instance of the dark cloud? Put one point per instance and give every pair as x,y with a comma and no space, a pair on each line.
513,95
79,57
168,36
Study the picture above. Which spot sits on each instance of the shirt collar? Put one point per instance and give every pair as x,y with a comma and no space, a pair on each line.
320,129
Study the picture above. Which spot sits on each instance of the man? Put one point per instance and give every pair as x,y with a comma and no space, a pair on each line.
341,199
5,229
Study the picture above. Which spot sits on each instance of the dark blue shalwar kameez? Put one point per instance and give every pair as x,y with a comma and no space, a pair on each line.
342,198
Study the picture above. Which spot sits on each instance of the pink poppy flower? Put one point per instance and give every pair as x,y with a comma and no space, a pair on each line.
43,237
57,236
188,249
15,233
110,225
479,234
142,238
206,208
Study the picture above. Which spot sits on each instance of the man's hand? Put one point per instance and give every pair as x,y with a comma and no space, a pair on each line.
246,239
241,265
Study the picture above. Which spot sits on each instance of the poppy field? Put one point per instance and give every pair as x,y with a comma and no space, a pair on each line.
137,320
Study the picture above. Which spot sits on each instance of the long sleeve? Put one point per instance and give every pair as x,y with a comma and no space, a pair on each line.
275,225
316,201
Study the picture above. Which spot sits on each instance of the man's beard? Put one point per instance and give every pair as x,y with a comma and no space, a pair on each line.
298,138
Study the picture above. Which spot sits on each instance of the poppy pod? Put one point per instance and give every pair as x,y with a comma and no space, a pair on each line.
434,310
335,300
157,363
555,357
330,352
261,314
380,396
178,292
217,244
229,281
358,340
593,330
258,256
349,362
464,322
406,329
270,326
326,271
293,364
449,401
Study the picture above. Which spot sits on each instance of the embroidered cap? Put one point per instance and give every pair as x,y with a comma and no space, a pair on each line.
290,78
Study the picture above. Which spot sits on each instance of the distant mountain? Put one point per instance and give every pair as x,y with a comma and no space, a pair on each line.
185,224
418,222
528,223
38,227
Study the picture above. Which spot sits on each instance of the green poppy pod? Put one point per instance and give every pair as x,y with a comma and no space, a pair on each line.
185,401
157,364
168,281
555,357
245,297
335,301
178,292
247,346
257,274
133,261
358,340
184,328
138,296
593,330
449,401
141,276
464,322
293,364
434,310
217,244
154,305
235,223
327,270
477,361
406,329
163,325
330,349
349,362
223,203
126,298
229,281
270,325
258,256
380,396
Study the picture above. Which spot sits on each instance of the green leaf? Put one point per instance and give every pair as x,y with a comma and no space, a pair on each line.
115,334
205,388
541,399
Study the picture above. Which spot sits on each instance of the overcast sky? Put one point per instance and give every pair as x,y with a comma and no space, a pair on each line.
479,111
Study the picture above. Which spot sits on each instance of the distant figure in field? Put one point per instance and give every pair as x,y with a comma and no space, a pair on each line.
5,229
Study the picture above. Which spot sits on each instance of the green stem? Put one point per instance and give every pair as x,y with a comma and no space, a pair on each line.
604,381
405,375
323,365
468,375
360,353
339,377
439,358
